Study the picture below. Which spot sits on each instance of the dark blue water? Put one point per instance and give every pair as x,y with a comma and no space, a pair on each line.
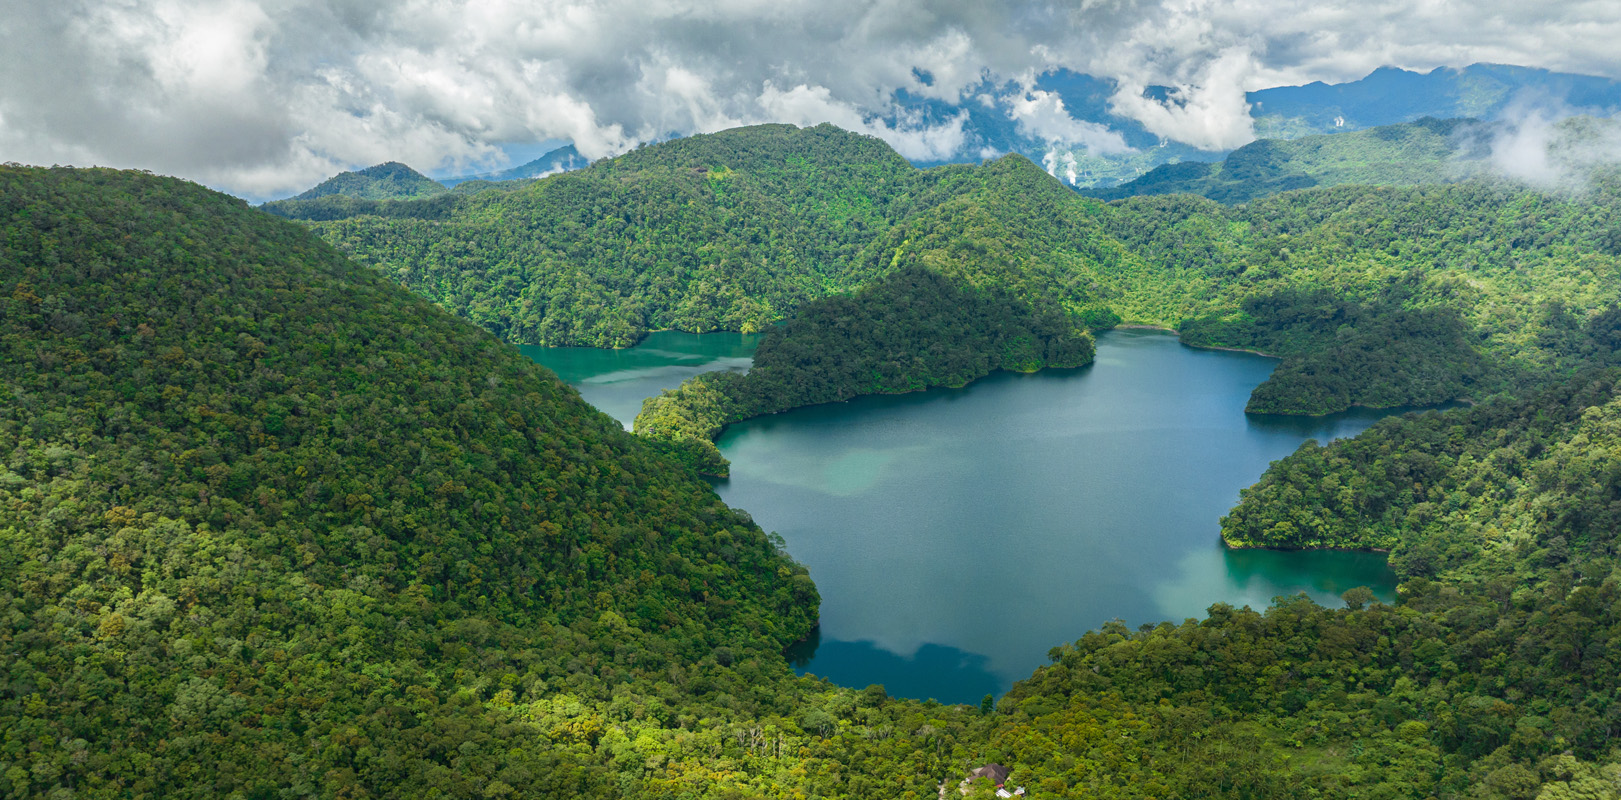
957,535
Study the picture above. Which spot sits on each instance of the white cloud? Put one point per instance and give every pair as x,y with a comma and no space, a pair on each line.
1207,110
914,139
1042,115
1546,147
1061,165
269,96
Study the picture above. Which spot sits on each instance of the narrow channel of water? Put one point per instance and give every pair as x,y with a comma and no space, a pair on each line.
617,381
957,535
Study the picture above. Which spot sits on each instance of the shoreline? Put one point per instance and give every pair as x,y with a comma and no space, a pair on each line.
1313,549
1462,401
1229,349
900,393
1143,326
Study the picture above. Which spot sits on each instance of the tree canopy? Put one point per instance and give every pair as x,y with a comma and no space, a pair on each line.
742,229
271,526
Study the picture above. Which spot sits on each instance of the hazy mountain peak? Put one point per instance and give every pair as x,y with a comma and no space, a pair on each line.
562,159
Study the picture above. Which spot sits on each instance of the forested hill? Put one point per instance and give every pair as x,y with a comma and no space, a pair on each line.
725,231
388,181
1373,296
267,520
909,330
740,229
1408,154
1391,296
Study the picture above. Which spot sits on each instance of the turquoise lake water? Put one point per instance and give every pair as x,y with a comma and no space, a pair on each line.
617,381
957,535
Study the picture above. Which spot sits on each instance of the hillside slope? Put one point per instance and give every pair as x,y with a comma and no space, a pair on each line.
740,229
267,520
704,233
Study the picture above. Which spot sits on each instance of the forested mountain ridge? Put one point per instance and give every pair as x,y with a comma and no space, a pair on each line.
739,229
273,527
1374,296
703,233
262,511
970,285
1491,273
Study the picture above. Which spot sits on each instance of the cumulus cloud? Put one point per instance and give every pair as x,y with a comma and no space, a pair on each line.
910,135
1041,115
1207,110
263,97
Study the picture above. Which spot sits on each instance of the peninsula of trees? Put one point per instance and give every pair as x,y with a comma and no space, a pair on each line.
910,330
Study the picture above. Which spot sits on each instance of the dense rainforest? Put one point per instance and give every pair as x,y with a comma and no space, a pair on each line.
1513,271
742,229
269,521
274,527
704,233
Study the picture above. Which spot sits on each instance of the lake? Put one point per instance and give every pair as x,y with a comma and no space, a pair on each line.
957,535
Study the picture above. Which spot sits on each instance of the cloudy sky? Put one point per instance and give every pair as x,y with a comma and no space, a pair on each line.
266,97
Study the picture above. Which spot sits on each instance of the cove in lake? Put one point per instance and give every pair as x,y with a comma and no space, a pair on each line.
617,381
957,535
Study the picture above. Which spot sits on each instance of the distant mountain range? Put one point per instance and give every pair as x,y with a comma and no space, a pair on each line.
1387,96
1427,151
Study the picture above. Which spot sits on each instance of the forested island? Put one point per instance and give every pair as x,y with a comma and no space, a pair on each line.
274,526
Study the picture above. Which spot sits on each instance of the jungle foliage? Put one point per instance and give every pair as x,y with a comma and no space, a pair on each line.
269,521
272,527
1339,354
719,232
741,229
